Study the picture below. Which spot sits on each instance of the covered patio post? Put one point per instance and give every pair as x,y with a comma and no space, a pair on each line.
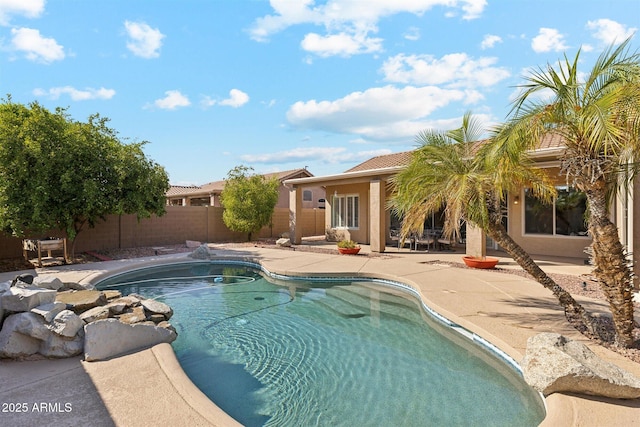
295,215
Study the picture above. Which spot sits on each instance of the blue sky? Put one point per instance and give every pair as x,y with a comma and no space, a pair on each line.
284,84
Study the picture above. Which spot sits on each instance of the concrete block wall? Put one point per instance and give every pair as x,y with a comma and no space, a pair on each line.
180,223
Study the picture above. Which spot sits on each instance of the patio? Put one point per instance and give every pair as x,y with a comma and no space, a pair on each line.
148,388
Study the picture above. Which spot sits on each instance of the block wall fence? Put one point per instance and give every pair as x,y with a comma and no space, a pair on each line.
180,223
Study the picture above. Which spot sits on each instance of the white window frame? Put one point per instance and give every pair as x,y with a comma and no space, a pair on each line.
345,211
554,234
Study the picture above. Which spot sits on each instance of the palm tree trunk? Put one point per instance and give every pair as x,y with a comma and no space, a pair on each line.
573,310
612,268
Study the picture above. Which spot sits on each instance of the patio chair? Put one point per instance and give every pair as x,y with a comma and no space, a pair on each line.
395,237
426,239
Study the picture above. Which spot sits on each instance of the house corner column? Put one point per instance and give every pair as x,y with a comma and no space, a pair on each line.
476,242
295,216
377,223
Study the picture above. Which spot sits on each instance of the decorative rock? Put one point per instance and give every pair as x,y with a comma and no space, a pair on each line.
167,325
116,307
136,315
14,344
202,252
107,338
553,363
80,301
157,307
19,298
111,294
49,311
73,286
285,243
4,286
193,243
29,324
66,324
95,313
22,279
59,346
128,301
48,282
157,318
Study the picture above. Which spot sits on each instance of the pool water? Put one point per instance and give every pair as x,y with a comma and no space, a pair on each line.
328,353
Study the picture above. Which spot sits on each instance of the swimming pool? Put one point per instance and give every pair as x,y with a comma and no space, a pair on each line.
328,351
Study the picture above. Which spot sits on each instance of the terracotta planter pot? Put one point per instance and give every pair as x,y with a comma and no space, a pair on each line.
348,251
474,262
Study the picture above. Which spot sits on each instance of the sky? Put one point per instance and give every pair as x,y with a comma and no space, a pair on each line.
286,84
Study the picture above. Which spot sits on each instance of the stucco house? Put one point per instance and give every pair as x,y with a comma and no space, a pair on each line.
209,194
356,208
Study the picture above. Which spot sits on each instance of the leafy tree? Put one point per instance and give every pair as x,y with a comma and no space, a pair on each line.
470,180
248,200
57,173
597,115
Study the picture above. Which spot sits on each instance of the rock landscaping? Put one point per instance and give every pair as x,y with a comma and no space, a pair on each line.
45,317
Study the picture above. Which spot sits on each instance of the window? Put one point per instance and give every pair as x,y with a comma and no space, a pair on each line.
564,217
345,212
307,196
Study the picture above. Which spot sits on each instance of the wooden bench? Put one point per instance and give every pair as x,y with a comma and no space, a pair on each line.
48,245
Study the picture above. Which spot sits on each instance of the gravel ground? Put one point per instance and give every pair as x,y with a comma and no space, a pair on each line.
575,285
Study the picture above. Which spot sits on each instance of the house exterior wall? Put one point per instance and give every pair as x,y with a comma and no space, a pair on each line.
361,234
180,223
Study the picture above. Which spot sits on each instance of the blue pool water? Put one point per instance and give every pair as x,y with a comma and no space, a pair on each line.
327,353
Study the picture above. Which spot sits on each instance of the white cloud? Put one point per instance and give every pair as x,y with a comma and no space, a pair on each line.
379,113
144,41
28,8
454,70
342,44
332,155
76,94
547,40
347,23
490,41
412,34
172,100
36,47
237,98
610,32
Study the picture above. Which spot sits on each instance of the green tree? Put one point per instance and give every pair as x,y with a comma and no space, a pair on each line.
248,200
597,115
470,179
57,173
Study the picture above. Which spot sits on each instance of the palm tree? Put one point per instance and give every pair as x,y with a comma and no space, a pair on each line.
470,179
597,116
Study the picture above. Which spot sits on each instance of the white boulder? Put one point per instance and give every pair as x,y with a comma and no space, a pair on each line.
553,363
48,282
49,311
109,337
14,343
157,307
284,242
66,323
19,298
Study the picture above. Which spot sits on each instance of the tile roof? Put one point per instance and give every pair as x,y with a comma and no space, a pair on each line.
218,186
385,161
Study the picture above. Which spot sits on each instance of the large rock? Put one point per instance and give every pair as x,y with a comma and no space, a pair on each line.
107,338
59,346
24,298
135,315
284,242
95,313
15,344
49,311
157,307
48,282
80,301
66,324
202,252
553,363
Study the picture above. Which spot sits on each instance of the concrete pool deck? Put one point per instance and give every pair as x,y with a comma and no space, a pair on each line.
149,387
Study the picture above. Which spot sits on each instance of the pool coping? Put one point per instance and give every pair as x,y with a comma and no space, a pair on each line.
160,361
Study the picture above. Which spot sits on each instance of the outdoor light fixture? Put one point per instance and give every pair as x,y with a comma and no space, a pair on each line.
516,200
